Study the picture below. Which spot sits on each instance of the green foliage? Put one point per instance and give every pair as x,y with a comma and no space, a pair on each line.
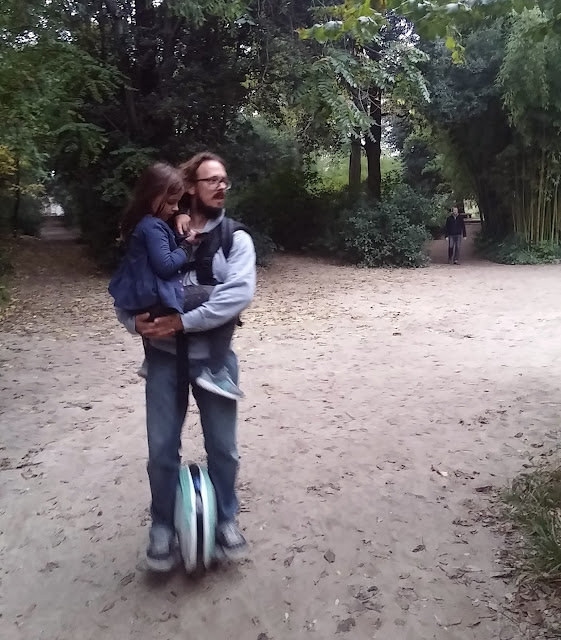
30,218
344,82
287,206
357,19
45,79
387,234
333,169
20,213
90,93
264,248
516,250
530,80
533,502
429,212
467,126
495,131
6,266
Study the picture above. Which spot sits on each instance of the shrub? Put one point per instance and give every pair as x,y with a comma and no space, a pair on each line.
533,502
420,209
6,266
264,248
288,207
515,250
383,234
30,218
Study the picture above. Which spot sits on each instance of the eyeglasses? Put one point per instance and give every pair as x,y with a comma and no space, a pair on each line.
216,181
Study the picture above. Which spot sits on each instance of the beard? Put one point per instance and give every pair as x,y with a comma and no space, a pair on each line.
206,210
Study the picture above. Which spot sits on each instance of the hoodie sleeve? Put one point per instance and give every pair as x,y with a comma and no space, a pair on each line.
127,319
163,260
229,299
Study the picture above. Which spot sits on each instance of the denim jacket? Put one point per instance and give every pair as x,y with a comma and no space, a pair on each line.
233,294
150,271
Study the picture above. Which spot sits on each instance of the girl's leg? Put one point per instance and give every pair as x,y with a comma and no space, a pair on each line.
220,340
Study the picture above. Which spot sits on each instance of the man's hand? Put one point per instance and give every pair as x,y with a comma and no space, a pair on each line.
182,223
142,323
163,327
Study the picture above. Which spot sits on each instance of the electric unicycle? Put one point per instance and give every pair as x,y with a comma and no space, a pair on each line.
195,518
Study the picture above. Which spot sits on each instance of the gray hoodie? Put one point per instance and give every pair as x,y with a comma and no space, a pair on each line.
237,277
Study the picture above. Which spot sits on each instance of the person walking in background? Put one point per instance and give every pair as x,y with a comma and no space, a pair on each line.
454,231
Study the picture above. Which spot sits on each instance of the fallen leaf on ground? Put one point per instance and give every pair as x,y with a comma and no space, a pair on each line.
127,579
329,556
346,625
444,474
484,489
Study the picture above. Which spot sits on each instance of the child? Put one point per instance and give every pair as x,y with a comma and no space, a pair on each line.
149,278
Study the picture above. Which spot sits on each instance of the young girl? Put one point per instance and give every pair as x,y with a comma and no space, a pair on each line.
149,278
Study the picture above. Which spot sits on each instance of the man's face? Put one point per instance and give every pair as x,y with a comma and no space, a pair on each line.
211,185
455,212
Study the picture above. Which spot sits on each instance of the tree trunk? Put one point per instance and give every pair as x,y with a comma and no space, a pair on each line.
17,202
373,147
355,169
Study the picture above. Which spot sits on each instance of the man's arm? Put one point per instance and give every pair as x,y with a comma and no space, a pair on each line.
229,299
127,319
226,302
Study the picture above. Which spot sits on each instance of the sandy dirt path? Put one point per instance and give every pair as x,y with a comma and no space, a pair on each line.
378,403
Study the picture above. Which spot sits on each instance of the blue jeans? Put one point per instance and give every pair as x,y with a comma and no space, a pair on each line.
454,244
165,414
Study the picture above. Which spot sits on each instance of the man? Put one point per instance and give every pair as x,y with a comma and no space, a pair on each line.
233,278
454,231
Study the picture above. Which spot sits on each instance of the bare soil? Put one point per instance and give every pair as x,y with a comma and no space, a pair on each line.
382,409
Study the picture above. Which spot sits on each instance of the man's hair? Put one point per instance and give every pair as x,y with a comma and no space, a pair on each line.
189,169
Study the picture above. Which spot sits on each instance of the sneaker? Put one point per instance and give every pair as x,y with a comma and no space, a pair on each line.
456,262
230,541
143,371
161,555
221,384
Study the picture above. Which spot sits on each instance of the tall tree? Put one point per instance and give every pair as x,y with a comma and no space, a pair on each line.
363,61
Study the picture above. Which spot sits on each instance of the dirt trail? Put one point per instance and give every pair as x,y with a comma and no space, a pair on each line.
381,405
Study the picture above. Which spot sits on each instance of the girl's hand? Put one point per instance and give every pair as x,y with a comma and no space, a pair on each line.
182,223
192,237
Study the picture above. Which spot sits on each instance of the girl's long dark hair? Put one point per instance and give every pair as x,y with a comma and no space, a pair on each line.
160,180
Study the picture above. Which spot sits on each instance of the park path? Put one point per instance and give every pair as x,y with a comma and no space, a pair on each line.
383,409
